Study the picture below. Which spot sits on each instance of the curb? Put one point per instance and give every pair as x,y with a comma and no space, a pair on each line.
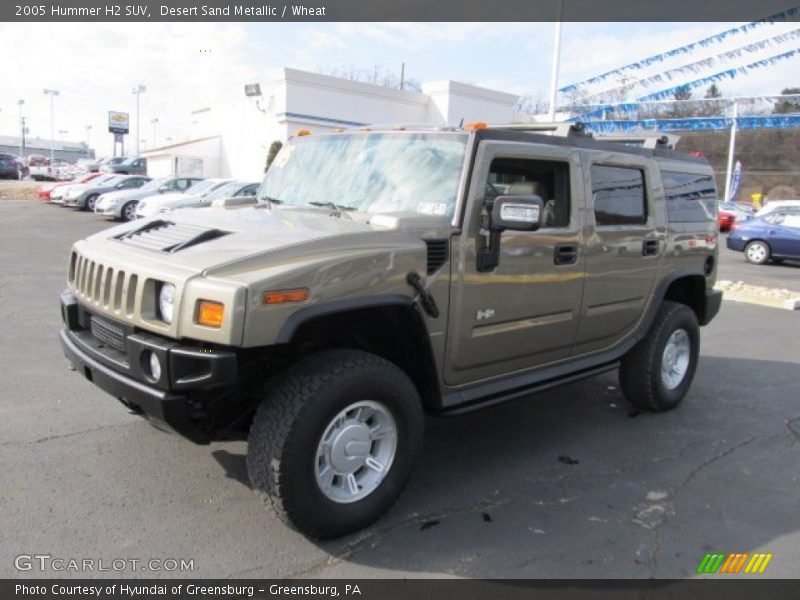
762,296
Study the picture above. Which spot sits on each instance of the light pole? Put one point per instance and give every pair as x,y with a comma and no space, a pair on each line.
138,90
88,133
154,120
554,67
20,102
52,94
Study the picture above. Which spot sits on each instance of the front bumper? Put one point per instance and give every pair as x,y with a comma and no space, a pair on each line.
75,202
111,210
735,243
186,396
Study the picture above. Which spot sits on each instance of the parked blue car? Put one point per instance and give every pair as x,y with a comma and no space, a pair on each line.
775,237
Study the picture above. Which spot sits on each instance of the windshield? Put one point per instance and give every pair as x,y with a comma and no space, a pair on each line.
105,180
202,188
152,186
373,173
222,191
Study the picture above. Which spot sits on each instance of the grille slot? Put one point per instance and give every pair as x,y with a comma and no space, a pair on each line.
437,254
104,286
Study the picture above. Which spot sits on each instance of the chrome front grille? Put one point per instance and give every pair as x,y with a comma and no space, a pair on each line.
103,286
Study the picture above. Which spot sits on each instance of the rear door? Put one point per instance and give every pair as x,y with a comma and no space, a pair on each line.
624,246
523,313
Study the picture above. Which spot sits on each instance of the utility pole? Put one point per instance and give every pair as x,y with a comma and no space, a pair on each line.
138,90
52,94
88,133
402,75
554,66
20,102
731,150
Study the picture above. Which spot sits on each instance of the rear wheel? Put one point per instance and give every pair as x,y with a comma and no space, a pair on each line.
757,252
128,212
658,371
333,443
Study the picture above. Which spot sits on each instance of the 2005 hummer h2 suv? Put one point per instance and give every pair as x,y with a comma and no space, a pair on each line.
386,274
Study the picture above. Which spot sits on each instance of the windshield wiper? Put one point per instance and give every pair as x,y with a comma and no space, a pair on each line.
340,209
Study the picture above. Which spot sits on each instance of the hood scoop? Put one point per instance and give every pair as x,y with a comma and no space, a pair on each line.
169,237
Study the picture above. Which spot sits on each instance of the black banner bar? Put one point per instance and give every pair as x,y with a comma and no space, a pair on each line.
728,588
396,10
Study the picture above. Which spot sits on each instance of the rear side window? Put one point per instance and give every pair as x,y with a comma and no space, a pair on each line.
618,195
690,197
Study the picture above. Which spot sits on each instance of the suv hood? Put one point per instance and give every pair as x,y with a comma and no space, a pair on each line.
199,240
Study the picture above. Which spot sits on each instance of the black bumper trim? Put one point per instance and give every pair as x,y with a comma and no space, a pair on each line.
166,409
712,305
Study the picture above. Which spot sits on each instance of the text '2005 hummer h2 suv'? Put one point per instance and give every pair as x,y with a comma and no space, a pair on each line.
385,274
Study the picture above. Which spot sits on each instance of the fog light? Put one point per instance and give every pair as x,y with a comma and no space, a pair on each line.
152,365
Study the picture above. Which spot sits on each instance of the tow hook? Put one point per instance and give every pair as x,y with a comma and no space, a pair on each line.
425,299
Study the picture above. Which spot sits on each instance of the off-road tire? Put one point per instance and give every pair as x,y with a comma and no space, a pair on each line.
290,421
640,371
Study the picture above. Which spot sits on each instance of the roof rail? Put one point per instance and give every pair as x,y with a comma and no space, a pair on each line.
560,129
651,141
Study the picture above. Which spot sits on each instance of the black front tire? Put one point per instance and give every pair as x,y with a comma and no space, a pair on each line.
290,422
640,374
90,202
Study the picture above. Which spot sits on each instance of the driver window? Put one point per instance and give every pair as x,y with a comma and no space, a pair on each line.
523,177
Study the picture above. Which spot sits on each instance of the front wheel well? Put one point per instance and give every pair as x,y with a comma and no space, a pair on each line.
394,332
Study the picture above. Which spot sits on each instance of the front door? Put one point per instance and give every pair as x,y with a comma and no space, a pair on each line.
524,312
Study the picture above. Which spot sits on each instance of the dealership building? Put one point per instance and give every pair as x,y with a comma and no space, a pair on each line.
232,139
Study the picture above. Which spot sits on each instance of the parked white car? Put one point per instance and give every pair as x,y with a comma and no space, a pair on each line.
158,203
774,205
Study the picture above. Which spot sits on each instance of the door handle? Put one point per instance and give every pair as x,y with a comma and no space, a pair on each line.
650,247
566,254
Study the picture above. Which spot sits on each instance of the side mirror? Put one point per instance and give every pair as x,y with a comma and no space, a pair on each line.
518,213
163,189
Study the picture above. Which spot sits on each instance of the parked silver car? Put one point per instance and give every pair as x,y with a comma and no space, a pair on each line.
121,204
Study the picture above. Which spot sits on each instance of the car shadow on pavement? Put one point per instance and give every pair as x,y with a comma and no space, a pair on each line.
574,483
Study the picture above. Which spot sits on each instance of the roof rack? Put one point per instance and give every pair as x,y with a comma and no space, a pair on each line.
560,129
651,141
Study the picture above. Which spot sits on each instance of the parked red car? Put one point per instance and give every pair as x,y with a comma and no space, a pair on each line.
44,190
726,219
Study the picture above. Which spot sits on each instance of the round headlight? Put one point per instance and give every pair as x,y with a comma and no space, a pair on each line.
166,301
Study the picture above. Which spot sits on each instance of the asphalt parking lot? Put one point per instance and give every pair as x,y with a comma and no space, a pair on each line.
571,483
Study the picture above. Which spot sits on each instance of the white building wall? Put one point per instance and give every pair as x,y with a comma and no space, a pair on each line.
320,103
172,159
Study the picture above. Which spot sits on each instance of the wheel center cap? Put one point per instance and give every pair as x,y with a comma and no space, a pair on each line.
350,448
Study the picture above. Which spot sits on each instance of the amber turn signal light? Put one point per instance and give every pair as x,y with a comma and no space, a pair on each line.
286,296
210,314
475,126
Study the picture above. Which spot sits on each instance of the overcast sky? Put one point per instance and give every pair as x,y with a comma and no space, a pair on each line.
190,65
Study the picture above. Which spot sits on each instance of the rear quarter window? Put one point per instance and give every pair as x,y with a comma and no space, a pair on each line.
691,198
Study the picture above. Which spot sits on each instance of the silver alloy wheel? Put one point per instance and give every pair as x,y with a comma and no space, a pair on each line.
676,358
129,211
757,252
90,202
355,452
